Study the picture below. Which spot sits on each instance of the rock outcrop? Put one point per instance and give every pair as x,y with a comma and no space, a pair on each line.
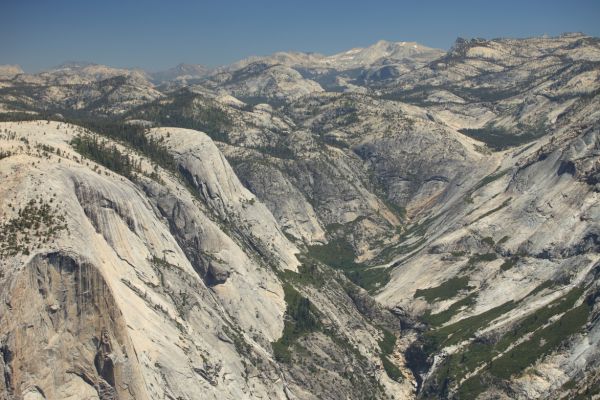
168,285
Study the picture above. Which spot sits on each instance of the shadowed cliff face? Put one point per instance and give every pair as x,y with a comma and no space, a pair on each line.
213,236
63,334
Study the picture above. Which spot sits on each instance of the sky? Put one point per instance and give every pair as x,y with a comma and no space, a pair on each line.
155,35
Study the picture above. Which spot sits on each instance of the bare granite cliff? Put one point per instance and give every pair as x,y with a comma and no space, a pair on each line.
164,285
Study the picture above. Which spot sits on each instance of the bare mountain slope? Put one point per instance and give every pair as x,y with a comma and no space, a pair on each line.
152,284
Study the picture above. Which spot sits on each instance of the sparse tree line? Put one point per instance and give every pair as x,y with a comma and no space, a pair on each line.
34,225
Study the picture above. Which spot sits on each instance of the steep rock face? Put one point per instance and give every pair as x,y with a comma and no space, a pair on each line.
401,145
167,285
331,182
154,285
524,244
63,334
207,170
299,162
296,216
358,163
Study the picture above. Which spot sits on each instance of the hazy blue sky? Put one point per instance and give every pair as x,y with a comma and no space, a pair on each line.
155,35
